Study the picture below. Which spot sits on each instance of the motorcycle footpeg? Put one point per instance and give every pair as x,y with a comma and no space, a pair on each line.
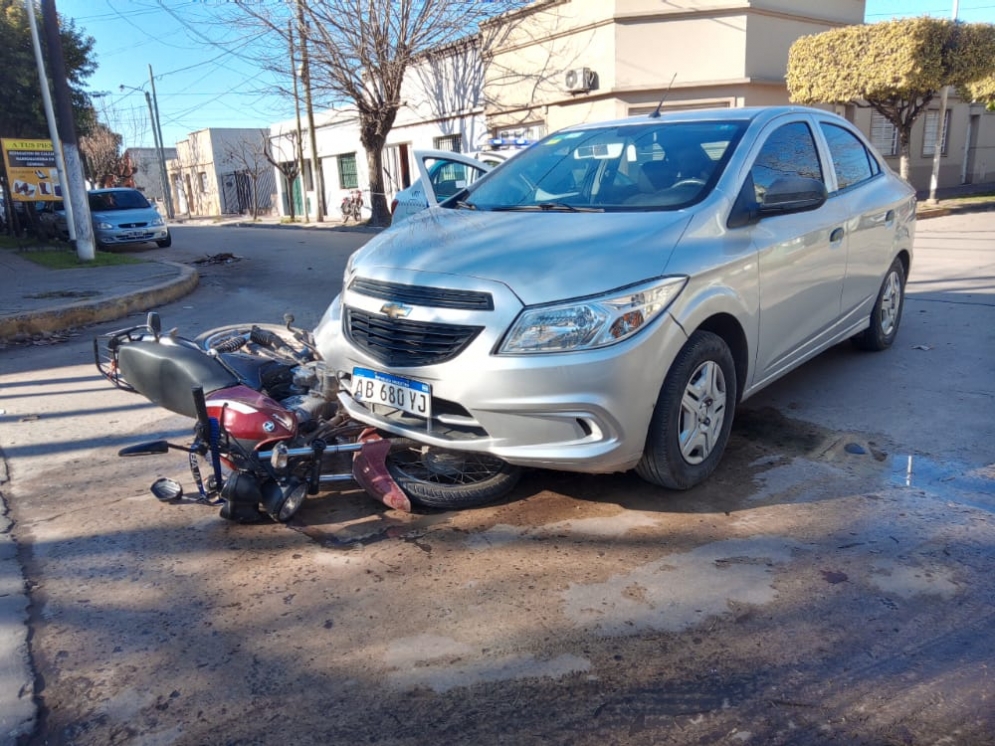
167,490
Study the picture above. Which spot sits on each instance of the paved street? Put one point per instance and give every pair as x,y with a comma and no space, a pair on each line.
830,584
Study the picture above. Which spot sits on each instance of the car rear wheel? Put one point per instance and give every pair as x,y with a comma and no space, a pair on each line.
451,480
887,313
693,415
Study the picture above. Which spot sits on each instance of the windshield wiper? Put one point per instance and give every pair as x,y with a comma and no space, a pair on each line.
546,207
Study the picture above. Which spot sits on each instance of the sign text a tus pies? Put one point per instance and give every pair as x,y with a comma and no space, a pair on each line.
31,170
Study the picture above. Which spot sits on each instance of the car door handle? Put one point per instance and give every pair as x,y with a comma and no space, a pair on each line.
836,236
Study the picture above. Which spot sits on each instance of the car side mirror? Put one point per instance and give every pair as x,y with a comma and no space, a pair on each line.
793,194
785,195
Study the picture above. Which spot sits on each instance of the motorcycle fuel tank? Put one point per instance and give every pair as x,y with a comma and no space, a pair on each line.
251,417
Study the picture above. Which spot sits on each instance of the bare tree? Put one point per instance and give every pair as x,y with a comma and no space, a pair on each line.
249,156
359,51
289,167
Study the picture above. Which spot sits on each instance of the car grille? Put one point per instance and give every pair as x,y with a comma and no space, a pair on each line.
418,295
403,343
133,225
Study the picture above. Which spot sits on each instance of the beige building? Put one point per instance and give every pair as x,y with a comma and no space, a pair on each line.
219,171
560,62
568,61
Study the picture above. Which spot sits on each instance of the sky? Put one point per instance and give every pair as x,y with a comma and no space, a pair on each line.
201,82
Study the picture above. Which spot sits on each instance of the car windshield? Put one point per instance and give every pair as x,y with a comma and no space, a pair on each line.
123,200
655,165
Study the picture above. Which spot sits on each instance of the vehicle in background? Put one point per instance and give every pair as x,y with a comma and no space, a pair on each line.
52,220
446,173
123,216
120,216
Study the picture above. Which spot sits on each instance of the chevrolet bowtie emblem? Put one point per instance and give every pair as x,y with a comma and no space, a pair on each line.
395,310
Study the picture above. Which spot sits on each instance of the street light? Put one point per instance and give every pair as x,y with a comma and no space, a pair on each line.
157,138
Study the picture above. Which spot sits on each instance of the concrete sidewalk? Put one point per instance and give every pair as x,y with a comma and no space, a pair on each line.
37,300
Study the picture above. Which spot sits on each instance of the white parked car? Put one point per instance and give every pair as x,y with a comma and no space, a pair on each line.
445,173
604,300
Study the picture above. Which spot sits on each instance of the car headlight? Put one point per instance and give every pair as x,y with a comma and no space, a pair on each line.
105,226
156,221
590,323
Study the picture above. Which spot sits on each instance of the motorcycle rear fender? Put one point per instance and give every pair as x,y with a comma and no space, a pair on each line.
167,374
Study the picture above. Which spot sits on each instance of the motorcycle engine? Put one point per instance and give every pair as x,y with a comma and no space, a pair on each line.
319,398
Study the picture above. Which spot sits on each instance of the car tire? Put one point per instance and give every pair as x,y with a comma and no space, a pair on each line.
684,443
449,480
165,243
887,313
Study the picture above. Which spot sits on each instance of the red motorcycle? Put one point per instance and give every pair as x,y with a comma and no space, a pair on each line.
268,431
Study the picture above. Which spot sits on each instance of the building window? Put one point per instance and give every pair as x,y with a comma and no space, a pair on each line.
929,133
449,143
203,182
884,135
348,178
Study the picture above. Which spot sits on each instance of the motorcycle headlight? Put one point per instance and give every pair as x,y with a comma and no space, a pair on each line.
281,501
590,323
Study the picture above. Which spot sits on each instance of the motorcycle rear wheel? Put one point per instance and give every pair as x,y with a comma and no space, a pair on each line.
452,480
208,340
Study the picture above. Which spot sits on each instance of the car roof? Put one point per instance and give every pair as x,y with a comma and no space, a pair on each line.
744,114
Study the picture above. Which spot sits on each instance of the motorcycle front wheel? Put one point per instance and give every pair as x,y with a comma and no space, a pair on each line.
439,478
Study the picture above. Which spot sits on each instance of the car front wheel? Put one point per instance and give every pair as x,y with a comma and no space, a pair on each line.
693,415
887,313
166,242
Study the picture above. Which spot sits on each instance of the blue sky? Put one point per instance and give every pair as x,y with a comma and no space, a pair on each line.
199,84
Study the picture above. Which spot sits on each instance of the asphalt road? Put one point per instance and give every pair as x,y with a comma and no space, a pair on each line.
831,584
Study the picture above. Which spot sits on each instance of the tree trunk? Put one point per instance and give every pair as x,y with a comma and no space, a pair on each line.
904,138
380,215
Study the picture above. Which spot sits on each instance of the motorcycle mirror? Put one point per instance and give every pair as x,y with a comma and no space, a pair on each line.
166,489
288,319
154,323
145,449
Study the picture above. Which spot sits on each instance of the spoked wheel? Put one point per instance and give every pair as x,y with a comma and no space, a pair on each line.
223,336
438,478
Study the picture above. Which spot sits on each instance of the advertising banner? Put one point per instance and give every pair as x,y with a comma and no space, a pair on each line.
31,171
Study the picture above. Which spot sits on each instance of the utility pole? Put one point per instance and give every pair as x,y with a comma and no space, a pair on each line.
75,197
319,182
297,110
934,179
167,192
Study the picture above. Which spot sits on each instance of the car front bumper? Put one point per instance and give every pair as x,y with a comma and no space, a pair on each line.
120,236
578,411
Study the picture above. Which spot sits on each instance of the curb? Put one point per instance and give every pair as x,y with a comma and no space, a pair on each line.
60,318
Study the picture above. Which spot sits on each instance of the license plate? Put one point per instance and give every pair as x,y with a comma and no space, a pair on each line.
135,234
406,394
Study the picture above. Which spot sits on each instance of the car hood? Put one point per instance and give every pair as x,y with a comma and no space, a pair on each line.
115,217
540,256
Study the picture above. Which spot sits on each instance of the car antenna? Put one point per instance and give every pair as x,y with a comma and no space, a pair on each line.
656,113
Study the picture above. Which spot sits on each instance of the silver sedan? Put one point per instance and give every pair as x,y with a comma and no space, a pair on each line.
604,300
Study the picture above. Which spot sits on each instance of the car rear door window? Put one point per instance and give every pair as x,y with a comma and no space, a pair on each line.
789,151
852,161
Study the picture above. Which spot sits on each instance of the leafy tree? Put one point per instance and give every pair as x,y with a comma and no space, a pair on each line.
894,67
359,51
21,111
